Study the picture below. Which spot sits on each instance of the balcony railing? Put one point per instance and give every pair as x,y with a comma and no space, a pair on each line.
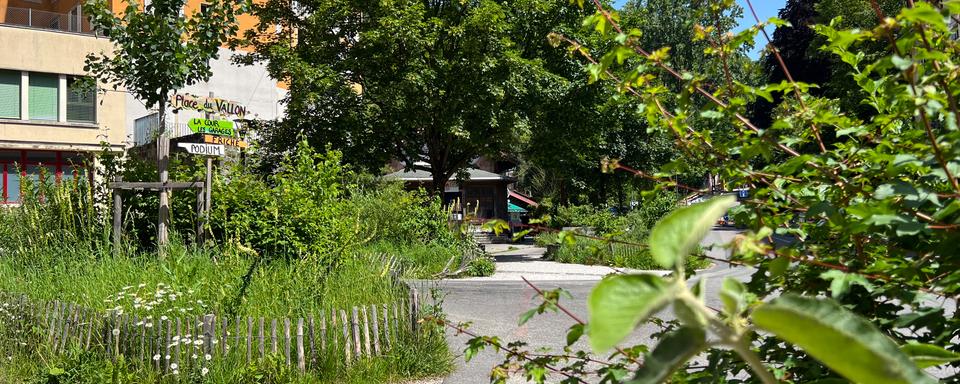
29,17
145,130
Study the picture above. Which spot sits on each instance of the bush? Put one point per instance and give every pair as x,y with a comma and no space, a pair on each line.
481,266
602,221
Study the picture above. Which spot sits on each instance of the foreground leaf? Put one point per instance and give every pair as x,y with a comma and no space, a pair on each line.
676,235
928,355
841,340
619,302
671,353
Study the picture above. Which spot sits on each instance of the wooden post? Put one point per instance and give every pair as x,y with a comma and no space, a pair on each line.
414,309
163,160
249,338
261,338
168,340
366,330
396,320
286,340
176,342
376,329
52,330
200,216
356,332
312,335
158,341
209,330
273,336
301,361
117,216
386,327
323,332
346,333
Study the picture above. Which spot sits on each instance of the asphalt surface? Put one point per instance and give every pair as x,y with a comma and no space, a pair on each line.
493,307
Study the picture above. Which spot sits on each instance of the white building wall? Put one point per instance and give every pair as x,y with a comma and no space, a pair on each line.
250,86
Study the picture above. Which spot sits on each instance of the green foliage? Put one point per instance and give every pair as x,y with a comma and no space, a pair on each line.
618,303
846,343
158,49
367,85
481,266
858,205
680,232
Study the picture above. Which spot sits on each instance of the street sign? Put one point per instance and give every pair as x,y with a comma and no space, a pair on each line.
207,104
213,127
211,139
202,149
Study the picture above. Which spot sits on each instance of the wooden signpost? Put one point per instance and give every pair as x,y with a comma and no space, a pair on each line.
209,128
202,149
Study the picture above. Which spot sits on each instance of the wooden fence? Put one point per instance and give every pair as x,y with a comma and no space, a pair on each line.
171,343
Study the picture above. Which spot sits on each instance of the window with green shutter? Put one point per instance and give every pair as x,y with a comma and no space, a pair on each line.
42,96
81,100
9,94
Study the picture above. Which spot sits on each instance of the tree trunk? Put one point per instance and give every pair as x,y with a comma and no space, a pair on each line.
163,160
440,180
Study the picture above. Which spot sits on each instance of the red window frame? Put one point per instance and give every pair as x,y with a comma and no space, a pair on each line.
6,167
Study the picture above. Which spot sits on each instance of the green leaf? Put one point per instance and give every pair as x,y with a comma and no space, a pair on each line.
670,354
734,296
687,315
778,266
574,334
924,13
840,282
928,355
841,340
678,233
526,316
619,302
901,63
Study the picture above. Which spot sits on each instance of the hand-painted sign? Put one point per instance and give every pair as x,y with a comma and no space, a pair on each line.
213,127
207,104
202,149
225,141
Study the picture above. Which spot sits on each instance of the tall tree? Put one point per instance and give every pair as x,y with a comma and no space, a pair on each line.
426,82
157,50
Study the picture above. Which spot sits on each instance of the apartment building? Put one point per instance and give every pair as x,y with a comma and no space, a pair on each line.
52,117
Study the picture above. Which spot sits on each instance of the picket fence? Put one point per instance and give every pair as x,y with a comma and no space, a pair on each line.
175,342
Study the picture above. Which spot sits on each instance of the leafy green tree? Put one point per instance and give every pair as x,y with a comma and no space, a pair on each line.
437,82
587,120
853,239
158,50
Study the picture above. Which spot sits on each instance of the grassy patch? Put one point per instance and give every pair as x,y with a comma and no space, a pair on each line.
597,252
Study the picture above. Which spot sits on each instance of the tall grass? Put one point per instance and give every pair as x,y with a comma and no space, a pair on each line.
57,246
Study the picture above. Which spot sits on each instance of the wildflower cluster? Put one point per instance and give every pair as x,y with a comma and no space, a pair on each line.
148,303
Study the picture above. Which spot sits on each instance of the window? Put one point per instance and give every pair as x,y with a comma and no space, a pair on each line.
73,20
50,166
81,100
42,96
9,94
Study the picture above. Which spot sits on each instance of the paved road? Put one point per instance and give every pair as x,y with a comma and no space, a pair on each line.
494,307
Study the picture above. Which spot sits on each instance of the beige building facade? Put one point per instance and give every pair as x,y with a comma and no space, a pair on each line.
52,116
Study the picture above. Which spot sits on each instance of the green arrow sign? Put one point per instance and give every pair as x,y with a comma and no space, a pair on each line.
213,127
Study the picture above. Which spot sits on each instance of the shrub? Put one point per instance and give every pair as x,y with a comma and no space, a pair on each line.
481,266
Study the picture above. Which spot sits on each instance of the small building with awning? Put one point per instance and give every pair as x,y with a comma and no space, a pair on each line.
482,195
